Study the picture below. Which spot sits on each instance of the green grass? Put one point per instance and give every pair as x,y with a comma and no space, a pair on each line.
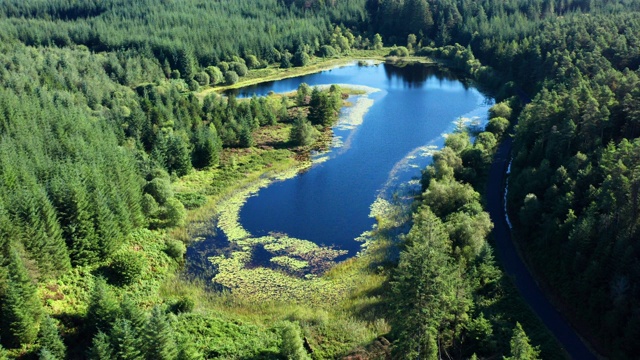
274,72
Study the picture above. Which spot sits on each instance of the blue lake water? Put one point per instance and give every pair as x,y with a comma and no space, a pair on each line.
413,108
330,203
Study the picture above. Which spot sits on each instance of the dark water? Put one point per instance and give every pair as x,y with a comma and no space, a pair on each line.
330,203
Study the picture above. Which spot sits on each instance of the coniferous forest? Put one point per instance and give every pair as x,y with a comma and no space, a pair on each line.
106,118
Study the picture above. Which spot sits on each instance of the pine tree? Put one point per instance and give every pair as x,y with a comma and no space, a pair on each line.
49,338
41,229
521,349
45,354
21,308
103,308
136,316
159,337
100,347
109,238
127,346
421,286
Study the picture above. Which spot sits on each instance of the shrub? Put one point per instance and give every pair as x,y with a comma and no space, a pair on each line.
202,78
127,266
175,212
183,305
328,51
239,68
193,85
252,62
300,58
224,66
231,77
399,51
191,200
175,249
292,346
498,126
160,189
149,205
500,110
215,75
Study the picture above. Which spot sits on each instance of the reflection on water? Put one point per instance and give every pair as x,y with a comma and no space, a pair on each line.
330,203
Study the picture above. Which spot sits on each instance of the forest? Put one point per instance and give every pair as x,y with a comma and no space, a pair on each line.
102,114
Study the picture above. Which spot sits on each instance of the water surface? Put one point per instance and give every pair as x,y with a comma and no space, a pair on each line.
330,203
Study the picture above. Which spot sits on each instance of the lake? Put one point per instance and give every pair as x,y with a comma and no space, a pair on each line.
398,123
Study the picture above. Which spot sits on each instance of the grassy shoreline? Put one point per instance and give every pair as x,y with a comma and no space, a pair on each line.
346,297
275,73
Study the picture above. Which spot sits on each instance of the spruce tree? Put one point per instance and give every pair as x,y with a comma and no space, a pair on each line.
159,337
103,308
109,237
136,316
21,308
127,346
49,338
45,354
422,286
100,347
521,348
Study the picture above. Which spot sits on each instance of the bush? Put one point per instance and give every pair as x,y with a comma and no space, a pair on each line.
183,305
175,213
239,68
292,346
193,85
498,126
285,60
202,78
158,172
399,51
191,200
252,62
215,75
224,66
149,205
328,51
300,58
231,77
160,189
487,140
175,249
500,110
127,266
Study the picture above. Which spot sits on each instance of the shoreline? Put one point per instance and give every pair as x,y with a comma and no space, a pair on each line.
281,74
293,261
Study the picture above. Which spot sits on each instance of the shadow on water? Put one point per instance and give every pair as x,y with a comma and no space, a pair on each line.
415,75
